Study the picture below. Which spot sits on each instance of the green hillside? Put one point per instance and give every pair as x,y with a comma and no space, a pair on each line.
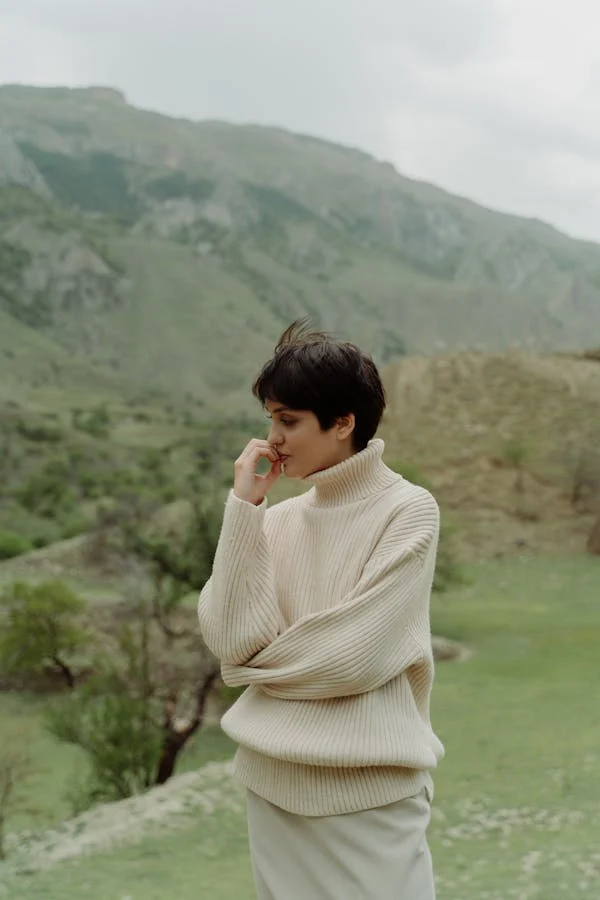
168,252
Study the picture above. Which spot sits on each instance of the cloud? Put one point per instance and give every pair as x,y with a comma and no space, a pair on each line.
520,129
494,99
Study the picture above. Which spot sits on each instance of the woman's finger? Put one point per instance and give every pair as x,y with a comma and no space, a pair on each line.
253,456
275,472
254,445
272,475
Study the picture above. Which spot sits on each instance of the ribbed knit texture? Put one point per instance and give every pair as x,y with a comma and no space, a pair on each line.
321,606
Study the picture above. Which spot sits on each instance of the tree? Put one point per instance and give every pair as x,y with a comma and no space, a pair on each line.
177,562
177,732
140,708
40,628
134,716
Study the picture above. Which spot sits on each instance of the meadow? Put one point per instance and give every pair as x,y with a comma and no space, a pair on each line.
516,811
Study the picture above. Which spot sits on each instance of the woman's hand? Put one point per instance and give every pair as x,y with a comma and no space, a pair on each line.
247,484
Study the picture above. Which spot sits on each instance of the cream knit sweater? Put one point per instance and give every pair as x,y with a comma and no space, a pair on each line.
321,606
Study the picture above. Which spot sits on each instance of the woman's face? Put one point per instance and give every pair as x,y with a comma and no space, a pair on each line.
304,448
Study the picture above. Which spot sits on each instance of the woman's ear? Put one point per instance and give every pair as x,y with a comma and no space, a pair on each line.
345,426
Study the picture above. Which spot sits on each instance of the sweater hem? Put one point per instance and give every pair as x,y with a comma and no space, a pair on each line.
327,791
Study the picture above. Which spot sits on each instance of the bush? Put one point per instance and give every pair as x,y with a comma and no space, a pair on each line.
34,530
95,422
12,544
39,432
119,736
48,493
73,525
41,628
448,570
127,716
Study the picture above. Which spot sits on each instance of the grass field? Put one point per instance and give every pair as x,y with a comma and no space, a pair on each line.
516,812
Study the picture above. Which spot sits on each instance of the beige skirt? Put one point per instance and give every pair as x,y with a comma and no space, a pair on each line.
378,854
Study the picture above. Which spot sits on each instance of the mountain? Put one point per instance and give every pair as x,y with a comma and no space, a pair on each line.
138,248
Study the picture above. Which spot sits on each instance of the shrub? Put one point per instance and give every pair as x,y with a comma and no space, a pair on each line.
40,432
95,422
448,570
48,493
41,628
117,733
126,717
13,544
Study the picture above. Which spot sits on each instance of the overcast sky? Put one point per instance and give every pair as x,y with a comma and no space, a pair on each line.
498,100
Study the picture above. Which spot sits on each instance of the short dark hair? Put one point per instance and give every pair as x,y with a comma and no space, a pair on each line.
314,371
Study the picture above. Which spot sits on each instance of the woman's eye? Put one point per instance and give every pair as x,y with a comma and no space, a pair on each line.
287,421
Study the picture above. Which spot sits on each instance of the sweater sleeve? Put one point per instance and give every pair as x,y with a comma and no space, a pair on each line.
366,640
237,608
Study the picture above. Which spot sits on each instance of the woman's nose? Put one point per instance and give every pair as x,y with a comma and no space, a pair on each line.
273,437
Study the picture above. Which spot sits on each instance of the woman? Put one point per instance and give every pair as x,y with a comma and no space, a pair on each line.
321,606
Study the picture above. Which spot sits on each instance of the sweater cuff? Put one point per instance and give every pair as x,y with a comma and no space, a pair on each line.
242,522
235,501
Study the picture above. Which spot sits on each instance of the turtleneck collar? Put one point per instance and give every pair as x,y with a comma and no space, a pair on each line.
360,475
